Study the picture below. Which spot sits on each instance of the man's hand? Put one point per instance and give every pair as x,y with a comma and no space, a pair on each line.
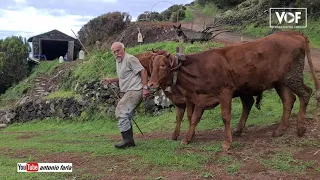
145,93
108,80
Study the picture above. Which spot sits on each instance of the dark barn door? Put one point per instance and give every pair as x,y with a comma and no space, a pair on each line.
70,50
53,49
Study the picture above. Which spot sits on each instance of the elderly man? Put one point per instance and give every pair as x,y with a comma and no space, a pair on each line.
133,79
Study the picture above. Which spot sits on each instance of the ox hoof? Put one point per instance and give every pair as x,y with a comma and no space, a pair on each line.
237,133
225,148
184,142
174,137
193,135
278,133
301,131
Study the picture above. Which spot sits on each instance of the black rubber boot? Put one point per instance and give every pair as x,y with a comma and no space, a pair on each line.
127,140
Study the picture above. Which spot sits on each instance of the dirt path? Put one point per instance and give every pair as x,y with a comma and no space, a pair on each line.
227,38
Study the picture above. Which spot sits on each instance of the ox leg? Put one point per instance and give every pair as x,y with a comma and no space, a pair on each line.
294,80
190,109
247,103
288,99
304,93
226,103
179,117
196,115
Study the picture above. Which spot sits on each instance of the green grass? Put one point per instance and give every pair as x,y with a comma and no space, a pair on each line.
188,15
209,9
224,159
312,31
63,94
284,161
233,168
105,61
261,30
13,94
212,147
256,31
232,165
45,67
207,175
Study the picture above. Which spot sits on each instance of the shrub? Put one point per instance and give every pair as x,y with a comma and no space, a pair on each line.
103,26
13,61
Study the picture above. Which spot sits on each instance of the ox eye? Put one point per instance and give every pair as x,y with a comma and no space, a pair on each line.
162,66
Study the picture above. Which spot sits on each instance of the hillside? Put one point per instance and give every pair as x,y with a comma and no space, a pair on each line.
76,86
63,113
77,127
251,17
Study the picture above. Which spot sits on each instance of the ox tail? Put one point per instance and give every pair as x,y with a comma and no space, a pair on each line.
313,72
258,101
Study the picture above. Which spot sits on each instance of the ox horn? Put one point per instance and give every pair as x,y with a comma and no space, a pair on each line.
181,56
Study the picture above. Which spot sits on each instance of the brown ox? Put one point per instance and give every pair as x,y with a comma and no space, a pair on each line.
215,76
179,101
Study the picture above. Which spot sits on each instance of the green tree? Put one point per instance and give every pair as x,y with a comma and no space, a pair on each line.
166,15
181,13
155,16
103,26
13,61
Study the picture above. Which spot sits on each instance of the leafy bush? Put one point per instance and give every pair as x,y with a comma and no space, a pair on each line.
166,15
153,16
103,26
175,8
13,61
221,4
181,14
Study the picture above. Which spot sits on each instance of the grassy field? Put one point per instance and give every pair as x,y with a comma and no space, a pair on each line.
87,141
91,141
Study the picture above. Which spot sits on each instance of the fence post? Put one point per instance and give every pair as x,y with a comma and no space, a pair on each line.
179,49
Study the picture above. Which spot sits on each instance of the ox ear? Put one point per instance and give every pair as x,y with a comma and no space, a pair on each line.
171,59
151,64
179,27
181,56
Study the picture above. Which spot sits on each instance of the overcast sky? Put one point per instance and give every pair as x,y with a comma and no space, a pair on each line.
31,17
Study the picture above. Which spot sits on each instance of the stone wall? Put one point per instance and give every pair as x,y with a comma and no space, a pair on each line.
110,95
93,94
40,109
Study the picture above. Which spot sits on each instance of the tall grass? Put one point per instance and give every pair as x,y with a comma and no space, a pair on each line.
311,31
209,9
102,64
188,15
